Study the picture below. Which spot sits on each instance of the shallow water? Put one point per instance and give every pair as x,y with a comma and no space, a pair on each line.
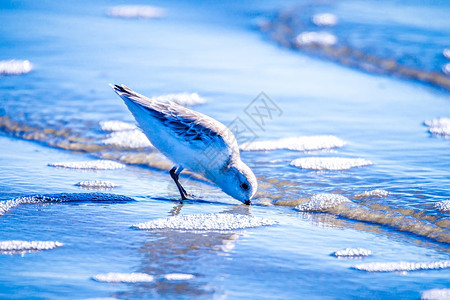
55,116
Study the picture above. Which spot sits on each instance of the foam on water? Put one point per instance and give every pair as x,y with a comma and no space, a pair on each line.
100,164
329,163
364,45
15,67
403,266
178,276
97,184
352,253
16,246
373,193
184,99
309,38
325,19
5,206
321,202
301,143
443,206
446,69
439,126
128,139
115,125
446,53
124,277
221,222
136,11
436,294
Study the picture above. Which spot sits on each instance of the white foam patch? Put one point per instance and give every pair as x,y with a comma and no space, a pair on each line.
446,53
100,164
403,266
15,67
329,163
439,126
97,184
325,19
436,294
101,298
324,201
5,206
446,69
373,193
221,221
352,253
16,246
301,143
178,276
443,206
184,99
321,38
136,11
124,277
114,125
128,139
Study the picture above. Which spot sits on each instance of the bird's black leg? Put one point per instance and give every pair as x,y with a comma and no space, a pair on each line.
174,173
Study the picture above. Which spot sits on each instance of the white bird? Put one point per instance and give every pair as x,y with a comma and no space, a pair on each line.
194,141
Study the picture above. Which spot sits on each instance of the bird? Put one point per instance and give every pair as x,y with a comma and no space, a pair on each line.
193,141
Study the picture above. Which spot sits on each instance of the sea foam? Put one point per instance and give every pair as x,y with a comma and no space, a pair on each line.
16,246
15,67
436,294
373,193
443,206
325,19
301,143
352,253
446,68
5,206
329,163
136,11
100,164
178,276
128,139
220,222
403,266
184,99
115,125
321,202
321,38
97,184
446,53
439,126
124,277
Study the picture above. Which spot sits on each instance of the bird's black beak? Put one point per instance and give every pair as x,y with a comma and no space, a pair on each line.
248,202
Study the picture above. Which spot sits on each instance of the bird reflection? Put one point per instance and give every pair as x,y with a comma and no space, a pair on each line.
201,253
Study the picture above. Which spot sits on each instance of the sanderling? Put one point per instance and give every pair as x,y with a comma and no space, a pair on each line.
194,141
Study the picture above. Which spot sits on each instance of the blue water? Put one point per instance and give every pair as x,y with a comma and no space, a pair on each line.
214,50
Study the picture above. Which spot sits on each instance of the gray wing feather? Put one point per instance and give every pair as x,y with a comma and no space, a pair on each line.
190,125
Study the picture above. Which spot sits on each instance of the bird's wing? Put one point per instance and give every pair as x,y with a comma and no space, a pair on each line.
191,126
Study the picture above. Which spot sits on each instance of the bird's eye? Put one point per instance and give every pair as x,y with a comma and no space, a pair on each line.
244,186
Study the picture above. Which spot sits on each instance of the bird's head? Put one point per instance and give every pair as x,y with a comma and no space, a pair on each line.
238,181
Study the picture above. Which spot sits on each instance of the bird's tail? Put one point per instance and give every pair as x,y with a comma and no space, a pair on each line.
128,94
